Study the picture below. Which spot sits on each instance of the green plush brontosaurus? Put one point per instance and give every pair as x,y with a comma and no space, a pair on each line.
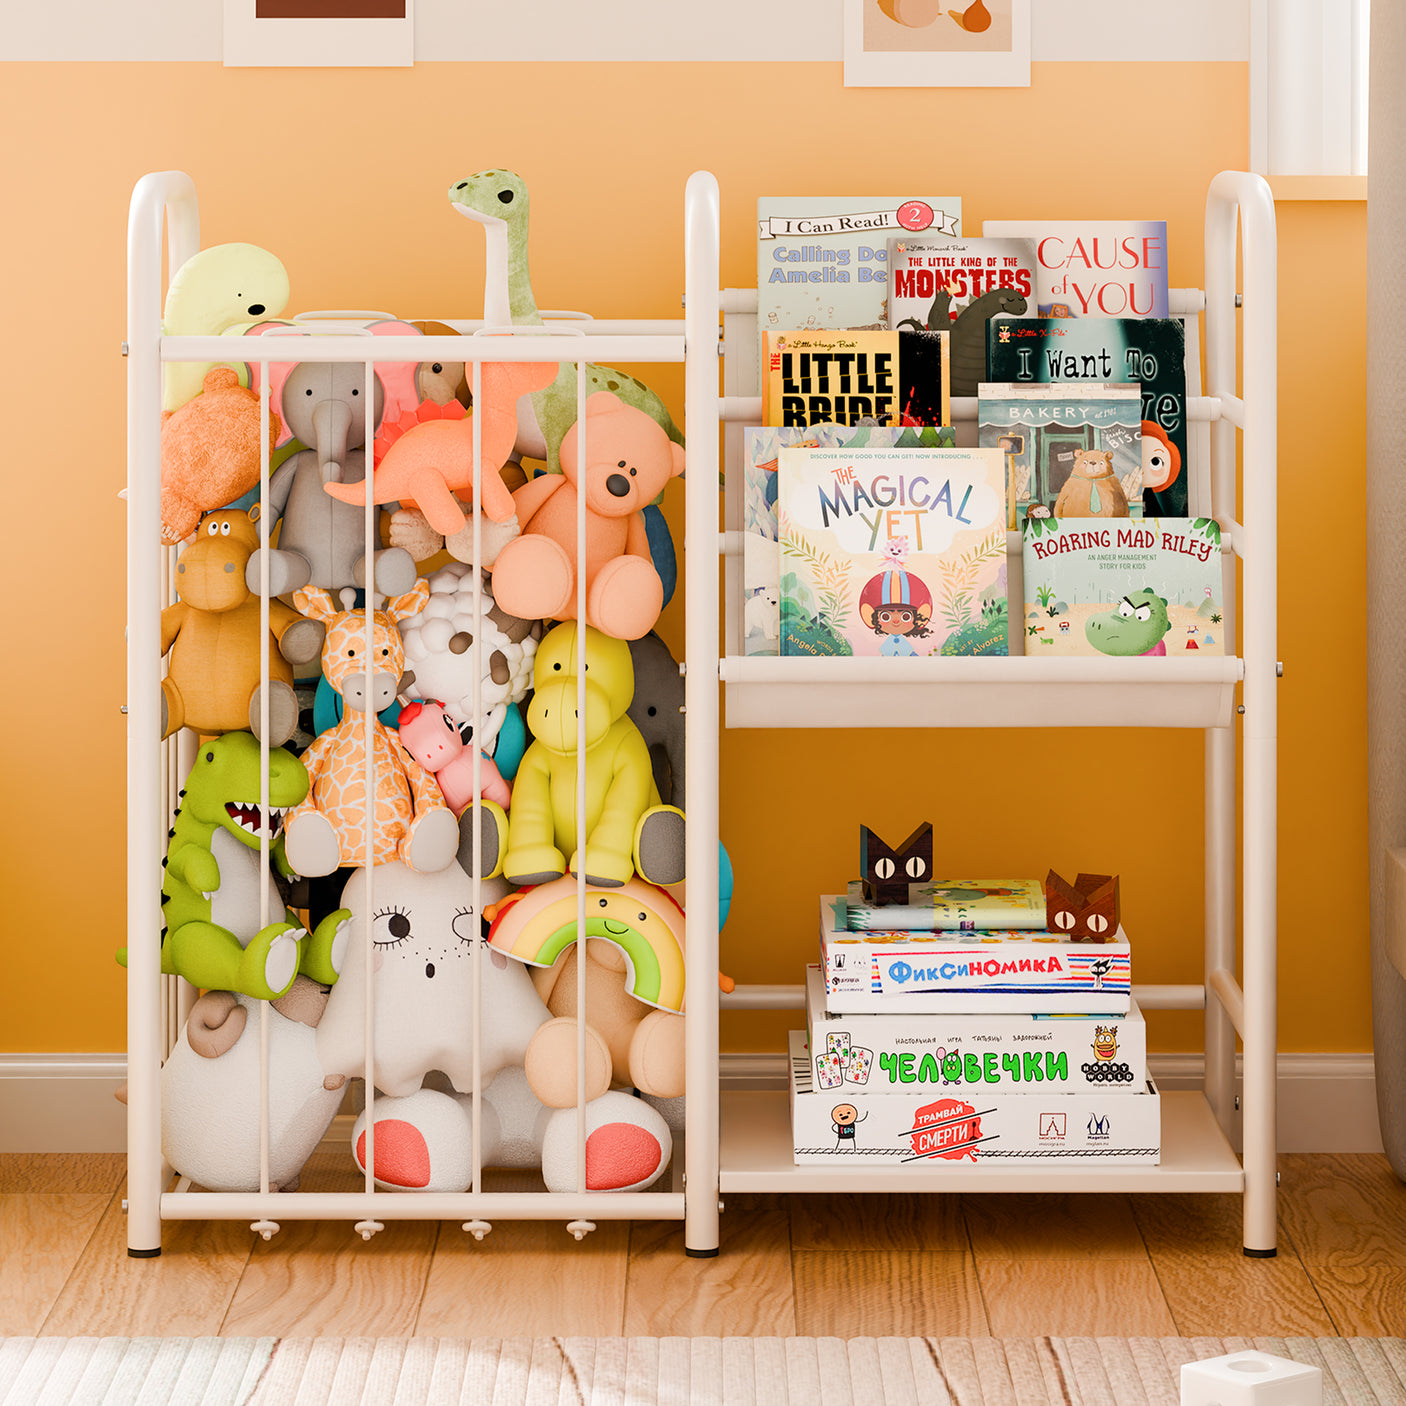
498,201
214,879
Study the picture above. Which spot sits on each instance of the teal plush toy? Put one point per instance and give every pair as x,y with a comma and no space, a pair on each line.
214,879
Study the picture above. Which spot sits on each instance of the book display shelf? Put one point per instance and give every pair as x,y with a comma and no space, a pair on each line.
1216,695
740,1141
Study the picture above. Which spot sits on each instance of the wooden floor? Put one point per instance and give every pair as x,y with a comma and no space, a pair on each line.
1004,1266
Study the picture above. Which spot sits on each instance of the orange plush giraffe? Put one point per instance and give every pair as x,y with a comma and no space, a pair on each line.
412,822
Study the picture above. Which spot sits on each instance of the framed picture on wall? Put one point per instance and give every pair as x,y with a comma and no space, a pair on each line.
319,33
937,44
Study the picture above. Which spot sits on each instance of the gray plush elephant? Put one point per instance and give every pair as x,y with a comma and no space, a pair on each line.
658,712
322,541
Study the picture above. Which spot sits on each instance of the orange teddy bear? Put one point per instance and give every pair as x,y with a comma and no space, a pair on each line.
629,459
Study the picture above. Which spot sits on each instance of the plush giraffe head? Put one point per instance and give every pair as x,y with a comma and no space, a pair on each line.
344,660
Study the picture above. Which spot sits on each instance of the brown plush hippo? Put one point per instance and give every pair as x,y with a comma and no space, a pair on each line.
1092,488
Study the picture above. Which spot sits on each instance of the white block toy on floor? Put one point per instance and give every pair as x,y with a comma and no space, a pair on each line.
1250,1379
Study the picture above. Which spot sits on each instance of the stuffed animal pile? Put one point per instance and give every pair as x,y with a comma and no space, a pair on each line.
461,682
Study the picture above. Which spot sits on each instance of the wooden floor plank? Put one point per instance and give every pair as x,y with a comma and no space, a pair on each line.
42,1238
1344,1210
888,1293
1054,1227
1203,1224
1366,1301
183,1292
1073,1298
746,1290
526,1279
319,1278
87,1172
898,1222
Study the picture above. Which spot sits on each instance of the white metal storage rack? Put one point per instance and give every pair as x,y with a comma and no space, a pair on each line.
742,1142
756,1148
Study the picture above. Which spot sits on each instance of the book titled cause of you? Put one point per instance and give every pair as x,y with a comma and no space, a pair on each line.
954,905
1148,351
855,378
895,552
1123,588
761,556
822,261
958,285
1070,450
1094,268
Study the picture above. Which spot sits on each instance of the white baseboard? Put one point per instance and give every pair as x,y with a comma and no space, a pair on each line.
65,1103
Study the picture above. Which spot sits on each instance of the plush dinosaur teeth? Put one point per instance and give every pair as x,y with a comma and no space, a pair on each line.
248,816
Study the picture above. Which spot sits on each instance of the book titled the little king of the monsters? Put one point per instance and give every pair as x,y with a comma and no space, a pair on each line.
896,552
1123,587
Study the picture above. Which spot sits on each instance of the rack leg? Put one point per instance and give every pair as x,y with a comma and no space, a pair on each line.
1220,919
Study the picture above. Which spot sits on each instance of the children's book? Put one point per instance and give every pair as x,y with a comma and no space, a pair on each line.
855,378
954,905
1123,587
1095,268
894,552
957,285
1150,351
1070,450
822,261
761,556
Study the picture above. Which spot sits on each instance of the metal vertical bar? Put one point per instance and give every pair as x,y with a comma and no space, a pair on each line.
1249,197
369,1227
701,412
581,662
265,665
476,1130
170,194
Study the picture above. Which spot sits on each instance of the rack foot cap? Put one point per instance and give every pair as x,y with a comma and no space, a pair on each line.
143,1254
1260,1254
701,1254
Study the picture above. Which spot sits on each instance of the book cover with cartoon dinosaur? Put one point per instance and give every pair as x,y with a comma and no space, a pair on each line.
822,261
761,556
856,378
1094,268
892,552
1148,351
1124,588
953,905
958,285
1069,450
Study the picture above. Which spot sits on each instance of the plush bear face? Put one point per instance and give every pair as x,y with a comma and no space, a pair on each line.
210,572
610,687
629,458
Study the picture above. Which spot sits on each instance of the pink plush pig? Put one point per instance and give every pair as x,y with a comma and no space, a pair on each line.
433,738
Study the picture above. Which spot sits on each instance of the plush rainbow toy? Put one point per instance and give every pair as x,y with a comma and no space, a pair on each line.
537,925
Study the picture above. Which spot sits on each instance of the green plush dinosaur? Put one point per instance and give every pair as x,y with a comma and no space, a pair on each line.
498,201
214,879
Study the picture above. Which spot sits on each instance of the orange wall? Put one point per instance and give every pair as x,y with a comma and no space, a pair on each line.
346,181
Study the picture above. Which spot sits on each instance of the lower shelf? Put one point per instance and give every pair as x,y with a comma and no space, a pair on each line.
756,1156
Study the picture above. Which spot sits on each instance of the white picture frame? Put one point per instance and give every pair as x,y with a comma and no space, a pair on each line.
925,44
319,34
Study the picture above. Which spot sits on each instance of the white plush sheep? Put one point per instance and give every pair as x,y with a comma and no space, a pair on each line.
446,649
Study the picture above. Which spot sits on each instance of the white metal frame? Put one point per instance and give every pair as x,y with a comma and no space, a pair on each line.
741,1142
156,1007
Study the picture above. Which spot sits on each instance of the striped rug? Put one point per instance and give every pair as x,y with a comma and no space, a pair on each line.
636,1371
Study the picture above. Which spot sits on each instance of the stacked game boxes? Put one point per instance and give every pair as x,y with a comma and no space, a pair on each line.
978,1020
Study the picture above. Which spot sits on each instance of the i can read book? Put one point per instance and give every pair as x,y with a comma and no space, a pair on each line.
892,552
822,261
1147,351
954,905
856,378
1094,268
761,555
958,285
1069,450
1154,587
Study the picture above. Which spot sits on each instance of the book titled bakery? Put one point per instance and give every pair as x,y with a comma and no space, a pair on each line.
761,555
1070,450
958,285
981,973
1097,268
954,905
853,378
892,552
1148,351
1124,588
822,261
